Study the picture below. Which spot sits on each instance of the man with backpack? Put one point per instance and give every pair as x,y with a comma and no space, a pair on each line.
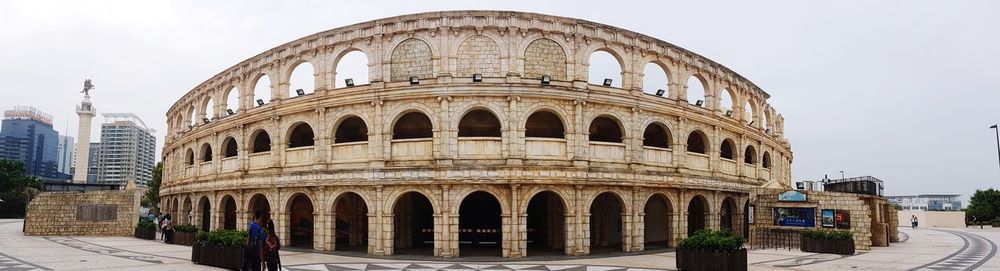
253,252
271,246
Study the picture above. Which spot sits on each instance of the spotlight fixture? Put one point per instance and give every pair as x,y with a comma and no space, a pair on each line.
607,82
230,111
751,122
660,92
260,102
546,79
699,103
768,130
206,120
477,77
349,82
414,80
729,113
300,92
190,126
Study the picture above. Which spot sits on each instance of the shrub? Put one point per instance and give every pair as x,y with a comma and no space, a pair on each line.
826,234
146,224
713,240
186,228
201,237
222,237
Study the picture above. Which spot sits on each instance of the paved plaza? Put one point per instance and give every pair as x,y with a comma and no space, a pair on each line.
921,249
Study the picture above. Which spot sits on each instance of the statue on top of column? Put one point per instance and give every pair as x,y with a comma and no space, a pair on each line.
87,86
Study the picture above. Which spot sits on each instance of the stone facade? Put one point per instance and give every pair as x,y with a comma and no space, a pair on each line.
563,167
871,216
95,213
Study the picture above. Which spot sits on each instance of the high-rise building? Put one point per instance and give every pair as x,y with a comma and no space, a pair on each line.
127,150
94,162
26,135
65,155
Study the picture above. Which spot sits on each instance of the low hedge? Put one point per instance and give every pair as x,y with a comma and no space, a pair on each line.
146,224
826,234
712,240
186,228
222,237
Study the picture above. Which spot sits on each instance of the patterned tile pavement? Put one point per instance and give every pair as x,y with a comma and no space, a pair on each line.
458,267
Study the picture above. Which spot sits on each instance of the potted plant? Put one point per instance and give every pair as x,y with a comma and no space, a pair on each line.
184,234
995,223
219,248
712,250
145,229
827,241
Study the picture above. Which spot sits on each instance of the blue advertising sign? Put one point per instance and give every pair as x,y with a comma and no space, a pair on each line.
795,217
792,196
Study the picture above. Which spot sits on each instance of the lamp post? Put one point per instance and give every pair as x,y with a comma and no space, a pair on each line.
995,129
842,175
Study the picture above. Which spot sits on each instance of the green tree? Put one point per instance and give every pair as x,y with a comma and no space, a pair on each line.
985,205
152,197
15,188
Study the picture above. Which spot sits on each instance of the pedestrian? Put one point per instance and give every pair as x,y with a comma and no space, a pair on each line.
253,252
271,247
168,229
913,221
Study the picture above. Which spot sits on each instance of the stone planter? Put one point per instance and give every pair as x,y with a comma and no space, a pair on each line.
833,246
711,260
218,256
995,224
148,234
183,238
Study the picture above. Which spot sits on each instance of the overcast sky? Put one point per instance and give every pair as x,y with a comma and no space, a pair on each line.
901,90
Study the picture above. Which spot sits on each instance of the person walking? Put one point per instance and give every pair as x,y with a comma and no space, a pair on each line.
913,221
168,229
253,252
271,247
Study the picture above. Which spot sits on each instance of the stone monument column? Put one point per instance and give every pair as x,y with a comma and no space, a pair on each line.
86,111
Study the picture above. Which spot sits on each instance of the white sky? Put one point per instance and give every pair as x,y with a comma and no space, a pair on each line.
901,90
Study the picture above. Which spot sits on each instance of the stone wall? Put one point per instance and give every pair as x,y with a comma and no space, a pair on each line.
412,57
98,213
954,219
869,217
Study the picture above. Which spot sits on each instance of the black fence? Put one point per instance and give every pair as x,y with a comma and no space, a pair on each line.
776,238
78,187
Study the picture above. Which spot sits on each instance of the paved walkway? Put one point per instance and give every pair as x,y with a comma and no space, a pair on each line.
924,249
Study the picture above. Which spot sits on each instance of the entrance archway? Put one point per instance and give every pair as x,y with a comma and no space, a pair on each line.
696,213
300,221
413,224
656,222
727,215
479,225
546,224
606,223
229,213
206,214
746,220
351,223
260,203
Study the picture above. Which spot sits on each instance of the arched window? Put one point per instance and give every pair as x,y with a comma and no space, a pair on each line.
230,147
261,142
726,102
750,155
412,125
353,66
766,160
479,123
210,109
656,136
748,112
605,129
696,90
192,119
303,77
190,157
654,78
233,99
262,90
603,66
728,149
301,136
544,124
352,129
206,152
696,142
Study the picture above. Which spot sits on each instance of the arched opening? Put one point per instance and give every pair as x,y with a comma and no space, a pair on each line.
696,90
352,129
605,129
766,160
303,77
656,222
602,66
696,213
654,78
300,221
353,66
544,124
261,142
187,212
413,224
765,121
606,223
746,219
230,148
260,203
748,112
727,214
546,224
233,99
210,109
726,101
262,89
206,214
351,226
301,136
750,155
656,135
192,119
728,149
190,157
479,225
229,213
479,123
696,142
206,152
412,125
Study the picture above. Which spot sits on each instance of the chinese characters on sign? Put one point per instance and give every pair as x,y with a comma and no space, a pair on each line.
795,217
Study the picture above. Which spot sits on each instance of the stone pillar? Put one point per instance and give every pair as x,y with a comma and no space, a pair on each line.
325,227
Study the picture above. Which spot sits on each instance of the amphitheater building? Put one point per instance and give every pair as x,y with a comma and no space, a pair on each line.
478,133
